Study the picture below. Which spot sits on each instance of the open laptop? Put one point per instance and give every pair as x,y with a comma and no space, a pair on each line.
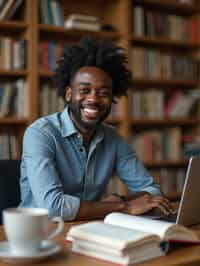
189,207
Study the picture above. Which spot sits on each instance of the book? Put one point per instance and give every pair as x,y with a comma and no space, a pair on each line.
82,17
13,9
127,239
82,25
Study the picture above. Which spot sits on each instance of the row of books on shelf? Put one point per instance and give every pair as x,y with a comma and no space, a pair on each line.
154,104
13,53
13,99
49,100
50,12
151,63
8,146
49,53
149,23
170,180
9,8
158,145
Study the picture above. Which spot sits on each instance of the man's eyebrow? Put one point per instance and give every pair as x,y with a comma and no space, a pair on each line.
84,83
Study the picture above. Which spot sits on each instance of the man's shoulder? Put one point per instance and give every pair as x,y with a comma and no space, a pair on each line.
46,123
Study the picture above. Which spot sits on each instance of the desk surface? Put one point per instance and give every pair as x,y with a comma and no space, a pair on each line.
184,256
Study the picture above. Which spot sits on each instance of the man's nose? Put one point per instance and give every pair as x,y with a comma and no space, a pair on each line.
93,97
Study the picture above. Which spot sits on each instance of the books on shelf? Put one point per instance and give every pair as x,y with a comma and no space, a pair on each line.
82,22
180,104
13,53
50,12
159,24
49,100
171,180
154,64
8,8
158,145
13,99
155,104
49,53
8,146
126,239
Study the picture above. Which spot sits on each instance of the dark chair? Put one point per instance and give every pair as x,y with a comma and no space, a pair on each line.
9,184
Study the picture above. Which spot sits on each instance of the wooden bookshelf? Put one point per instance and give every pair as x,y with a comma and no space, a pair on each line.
150,39
119,14
145,82
164,42
13,26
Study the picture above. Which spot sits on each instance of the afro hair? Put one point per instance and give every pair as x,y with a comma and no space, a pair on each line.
91,52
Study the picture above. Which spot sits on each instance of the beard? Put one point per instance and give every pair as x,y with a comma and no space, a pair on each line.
87,125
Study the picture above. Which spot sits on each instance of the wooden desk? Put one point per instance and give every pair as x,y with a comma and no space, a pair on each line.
184,256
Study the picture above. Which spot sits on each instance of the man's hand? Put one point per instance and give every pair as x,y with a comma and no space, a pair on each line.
147,202
112,198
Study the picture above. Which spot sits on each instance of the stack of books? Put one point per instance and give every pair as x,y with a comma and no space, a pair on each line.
126,239
82,22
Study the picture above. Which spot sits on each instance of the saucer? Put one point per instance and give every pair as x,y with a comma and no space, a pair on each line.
48,248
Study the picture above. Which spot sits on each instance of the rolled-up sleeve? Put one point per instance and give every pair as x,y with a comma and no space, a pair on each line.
132,172
45,184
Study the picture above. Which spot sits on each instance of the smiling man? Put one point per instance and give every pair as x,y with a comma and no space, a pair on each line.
69,157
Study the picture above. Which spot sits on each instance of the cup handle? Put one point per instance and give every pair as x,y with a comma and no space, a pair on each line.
59,227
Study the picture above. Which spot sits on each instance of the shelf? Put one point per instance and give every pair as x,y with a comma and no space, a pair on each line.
13,26
168,6
162,122
145,82
162,42
13,73
45,74
74,34
13,121
166,163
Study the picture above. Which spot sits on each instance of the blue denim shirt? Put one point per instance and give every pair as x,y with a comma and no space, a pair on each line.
57,173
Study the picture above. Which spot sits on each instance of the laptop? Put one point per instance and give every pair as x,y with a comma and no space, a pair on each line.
189,207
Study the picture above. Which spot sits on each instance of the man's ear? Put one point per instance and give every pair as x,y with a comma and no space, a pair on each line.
68,94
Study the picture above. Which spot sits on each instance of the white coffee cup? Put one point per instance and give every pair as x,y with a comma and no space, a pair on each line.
26,228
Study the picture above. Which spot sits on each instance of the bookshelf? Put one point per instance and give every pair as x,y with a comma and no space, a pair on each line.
158,37
27,24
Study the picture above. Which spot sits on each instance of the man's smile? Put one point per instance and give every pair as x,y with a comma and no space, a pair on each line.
90,112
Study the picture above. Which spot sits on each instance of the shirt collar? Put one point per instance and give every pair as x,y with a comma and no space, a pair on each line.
68,128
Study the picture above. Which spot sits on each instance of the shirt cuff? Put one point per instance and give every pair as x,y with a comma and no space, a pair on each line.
70,207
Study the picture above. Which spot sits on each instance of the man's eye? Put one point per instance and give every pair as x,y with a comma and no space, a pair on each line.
84,90
105,93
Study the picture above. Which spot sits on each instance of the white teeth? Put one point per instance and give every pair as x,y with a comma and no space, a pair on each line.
91,111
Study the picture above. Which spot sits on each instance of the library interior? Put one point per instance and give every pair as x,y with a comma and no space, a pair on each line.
158,118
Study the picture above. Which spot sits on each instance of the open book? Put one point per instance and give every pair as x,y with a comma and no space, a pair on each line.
127,239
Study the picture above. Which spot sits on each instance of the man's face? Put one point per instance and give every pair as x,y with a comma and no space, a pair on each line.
90,97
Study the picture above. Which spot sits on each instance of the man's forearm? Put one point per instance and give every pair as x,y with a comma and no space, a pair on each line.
97,210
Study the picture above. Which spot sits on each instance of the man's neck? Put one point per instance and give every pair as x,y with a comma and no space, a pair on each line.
87,134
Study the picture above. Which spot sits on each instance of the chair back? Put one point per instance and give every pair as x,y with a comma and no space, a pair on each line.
9,184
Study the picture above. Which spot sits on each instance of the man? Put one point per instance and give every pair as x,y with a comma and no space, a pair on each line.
69,157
